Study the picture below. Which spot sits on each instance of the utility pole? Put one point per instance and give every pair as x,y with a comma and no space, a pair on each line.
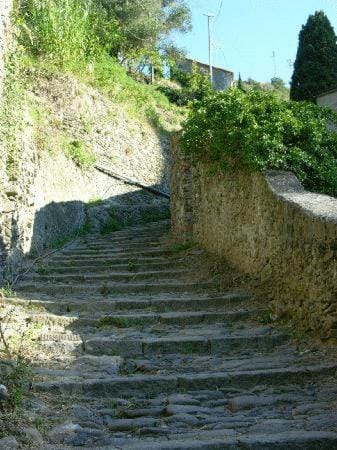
210,45
274,62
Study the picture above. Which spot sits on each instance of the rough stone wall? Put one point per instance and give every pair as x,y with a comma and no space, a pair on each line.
34,214
127,146
6,190
131,147
181,192
5,8
269,227
46,200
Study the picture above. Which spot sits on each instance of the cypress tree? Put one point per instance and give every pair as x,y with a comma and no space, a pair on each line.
240,83
315,68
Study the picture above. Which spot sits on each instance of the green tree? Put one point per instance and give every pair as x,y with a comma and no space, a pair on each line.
253,84
240,83
278,83
147,24
315,68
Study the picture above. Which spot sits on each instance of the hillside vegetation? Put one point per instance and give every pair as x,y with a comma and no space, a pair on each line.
276,86
107,46
256,130
94,40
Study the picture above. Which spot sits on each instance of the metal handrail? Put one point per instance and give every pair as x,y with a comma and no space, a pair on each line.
131,182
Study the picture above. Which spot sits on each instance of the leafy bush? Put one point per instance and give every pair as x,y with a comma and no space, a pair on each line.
194,86
258,131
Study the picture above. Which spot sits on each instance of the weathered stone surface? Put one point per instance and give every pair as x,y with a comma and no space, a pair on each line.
182,399
61,433
8,443
132,424
82,413
44,202
180,395
32,435
5,9
267,226
189,419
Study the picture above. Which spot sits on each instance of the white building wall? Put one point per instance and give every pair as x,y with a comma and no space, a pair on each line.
222,79
329,99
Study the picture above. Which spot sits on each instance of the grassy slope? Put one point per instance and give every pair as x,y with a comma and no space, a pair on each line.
111,79
140,102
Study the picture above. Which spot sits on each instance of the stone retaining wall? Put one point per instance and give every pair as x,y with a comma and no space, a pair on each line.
44,201
5,8
267,226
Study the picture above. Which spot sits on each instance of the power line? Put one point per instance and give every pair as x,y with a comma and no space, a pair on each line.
219,11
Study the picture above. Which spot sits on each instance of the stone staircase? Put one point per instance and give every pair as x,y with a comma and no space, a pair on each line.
135,351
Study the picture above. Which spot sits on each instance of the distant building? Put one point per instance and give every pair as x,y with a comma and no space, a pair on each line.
222,78
328,98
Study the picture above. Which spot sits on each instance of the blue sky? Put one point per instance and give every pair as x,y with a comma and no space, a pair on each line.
247,32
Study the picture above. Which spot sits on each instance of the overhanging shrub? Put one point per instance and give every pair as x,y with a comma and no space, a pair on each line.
258,131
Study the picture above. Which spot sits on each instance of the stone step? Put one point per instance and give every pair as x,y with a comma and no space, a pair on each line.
112,275
192,344
139,230
111,249
158,358
201,416
86,366
111,253
98,240
185,422
131,255
181,419
159,303
196,415
284,356
131,266
143,319
126,245
111,289
160,438
210,339
102,262
226,439
153,385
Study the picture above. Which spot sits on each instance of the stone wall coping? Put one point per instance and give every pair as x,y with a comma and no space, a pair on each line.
286,186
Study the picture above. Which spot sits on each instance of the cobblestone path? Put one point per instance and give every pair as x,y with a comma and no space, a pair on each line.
136,352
